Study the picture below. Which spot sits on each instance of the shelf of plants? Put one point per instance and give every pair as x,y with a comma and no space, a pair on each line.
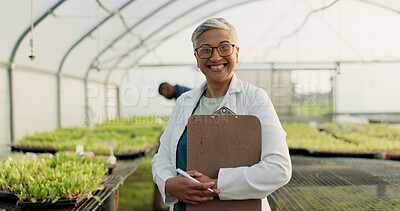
343,140
377,137
133,135
51,181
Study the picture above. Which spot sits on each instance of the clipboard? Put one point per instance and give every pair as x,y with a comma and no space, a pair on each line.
223,141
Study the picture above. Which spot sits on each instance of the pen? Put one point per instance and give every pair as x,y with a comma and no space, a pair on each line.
180,171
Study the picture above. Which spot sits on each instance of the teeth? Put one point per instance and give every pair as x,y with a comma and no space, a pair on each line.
217,67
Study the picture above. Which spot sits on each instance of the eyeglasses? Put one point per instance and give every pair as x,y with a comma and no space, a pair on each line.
205,52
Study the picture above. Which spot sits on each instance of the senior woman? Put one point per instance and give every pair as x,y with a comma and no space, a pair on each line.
216,51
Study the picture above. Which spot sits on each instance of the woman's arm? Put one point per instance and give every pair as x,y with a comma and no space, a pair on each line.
274,169
162,166
174,187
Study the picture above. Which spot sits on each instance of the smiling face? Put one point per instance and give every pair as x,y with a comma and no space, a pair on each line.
218,70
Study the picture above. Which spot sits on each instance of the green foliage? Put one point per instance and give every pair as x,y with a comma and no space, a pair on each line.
132,135
51,178
373,136
300,135
352,137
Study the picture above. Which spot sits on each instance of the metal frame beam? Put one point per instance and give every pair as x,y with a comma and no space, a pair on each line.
379,5
12,58
43,71
156,31
126,54
265,63
169,36
80,40
109,47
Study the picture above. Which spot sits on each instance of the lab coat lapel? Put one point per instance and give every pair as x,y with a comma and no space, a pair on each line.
229,100
191,101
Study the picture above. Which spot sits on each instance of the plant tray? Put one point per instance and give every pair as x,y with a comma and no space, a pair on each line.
340,154
9,196
33,149
297,151
133,155
130,156
61,203
119,156
393,157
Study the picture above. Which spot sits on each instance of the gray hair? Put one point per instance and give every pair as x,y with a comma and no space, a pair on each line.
214,23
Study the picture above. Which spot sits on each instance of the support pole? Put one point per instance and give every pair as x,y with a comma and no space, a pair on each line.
12,65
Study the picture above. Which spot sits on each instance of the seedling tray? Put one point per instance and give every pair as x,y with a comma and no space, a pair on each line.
393,157
125,156
297,151
130,156
134,155
8,196
61,203
119,156
33,149
340,154
47,205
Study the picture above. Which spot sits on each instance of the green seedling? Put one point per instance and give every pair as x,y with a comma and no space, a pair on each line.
50,179
146,130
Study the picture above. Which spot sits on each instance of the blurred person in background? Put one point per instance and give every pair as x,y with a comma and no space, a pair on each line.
216,51
172,92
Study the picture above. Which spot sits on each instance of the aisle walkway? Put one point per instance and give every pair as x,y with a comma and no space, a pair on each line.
340,184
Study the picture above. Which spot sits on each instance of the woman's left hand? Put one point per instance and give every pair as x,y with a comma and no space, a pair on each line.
203,178
190,192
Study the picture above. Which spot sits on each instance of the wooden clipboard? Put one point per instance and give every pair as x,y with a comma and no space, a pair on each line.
223,141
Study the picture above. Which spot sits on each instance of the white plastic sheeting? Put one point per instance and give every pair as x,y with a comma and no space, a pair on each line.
368,88
306,31
4,112
35,103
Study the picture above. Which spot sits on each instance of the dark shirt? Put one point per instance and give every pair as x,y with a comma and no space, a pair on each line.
181,161
180,90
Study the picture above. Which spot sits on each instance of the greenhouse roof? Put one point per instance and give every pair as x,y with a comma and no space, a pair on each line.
76,43
101,39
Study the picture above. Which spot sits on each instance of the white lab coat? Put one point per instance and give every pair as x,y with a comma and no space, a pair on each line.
254,182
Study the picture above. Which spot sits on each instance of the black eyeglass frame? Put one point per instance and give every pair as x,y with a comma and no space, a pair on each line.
212,50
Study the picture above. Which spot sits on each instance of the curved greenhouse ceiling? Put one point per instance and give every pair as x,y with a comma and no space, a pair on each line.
102,39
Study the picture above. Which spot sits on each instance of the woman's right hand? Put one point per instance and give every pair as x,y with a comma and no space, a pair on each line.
188,191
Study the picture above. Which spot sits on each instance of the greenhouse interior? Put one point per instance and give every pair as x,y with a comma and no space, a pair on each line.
82,112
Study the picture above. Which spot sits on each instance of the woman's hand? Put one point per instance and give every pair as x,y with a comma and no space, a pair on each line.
191,192
203,178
